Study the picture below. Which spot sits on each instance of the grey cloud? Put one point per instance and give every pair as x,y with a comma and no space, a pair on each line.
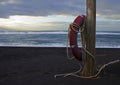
109,9
108,25
43,7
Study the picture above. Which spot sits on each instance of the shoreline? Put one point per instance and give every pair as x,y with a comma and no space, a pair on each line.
22,46
38,65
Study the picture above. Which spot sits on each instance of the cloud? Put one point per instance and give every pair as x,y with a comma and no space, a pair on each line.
18,22
109,9
108,25
6,7
5,2
42,7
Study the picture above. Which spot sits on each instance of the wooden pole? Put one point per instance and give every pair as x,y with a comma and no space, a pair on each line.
89,61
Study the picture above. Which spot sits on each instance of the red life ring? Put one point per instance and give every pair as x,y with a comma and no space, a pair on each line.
72,35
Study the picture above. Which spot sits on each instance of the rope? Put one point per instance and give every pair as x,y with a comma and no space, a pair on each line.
94,76
67,45
81,29
68,74
72,25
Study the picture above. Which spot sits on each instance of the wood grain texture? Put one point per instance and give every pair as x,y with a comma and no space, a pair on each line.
89,61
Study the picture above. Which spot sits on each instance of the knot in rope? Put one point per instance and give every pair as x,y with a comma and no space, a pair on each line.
79,28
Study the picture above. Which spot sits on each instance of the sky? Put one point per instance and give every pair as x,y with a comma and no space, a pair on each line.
55,14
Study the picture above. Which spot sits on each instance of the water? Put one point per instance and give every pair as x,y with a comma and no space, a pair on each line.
104,39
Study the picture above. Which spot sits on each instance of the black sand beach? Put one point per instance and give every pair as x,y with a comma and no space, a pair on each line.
38,65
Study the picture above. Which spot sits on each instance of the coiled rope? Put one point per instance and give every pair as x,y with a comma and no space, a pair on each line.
81,29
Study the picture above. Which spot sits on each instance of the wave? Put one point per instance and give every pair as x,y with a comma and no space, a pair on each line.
31,45
58,32
52,45
108,33
52,39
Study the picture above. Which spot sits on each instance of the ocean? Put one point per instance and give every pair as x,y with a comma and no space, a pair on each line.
104,39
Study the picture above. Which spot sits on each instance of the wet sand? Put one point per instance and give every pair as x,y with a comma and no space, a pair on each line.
38,65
